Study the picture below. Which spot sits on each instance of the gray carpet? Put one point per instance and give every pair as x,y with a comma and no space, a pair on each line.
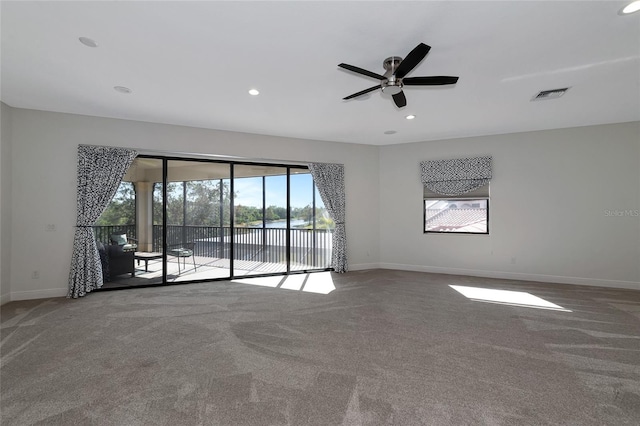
385,347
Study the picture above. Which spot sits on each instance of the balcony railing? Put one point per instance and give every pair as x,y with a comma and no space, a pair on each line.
309,247
104,233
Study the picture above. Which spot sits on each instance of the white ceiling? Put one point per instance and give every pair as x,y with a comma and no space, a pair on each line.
192,63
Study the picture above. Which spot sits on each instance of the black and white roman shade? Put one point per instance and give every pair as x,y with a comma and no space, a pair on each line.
457,176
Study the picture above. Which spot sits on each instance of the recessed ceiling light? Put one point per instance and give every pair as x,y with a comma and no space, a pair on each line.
88,42
254,92
390,132
410,117
631,7
122,89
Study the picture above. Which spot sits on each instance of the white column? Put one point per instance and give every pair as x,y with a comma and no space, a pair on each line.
144,215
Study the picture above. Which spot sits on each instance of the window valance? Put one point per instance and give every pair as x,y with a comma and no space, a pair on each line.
457,176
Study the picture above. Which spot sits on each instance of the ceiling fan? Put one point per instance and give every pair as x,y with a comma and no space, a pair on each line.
394,79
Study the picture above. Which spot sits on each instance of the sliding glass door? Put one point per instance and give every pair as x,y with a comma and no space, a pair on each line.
186,220
260,219
127,233
310,224
198,220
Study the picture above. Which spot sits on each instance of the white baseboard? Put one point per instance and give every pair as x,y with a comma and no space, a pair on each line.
515,276
62,292
364,266
38,294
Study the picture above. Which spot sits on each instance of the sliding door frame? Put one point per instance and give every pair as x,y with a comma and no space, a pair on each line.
165,171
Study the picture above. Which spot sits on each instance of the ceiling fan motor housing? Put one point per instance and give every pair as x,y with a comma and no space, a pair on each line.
391,85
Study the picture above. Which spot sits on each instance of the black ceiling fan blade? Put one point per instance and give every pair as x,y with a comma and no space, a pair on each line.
400,99
413,58
436,80
365,91
361,71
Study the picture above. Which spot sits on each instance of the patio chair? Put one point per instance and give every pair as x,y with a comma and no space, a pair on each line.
121,239
183,251
115,261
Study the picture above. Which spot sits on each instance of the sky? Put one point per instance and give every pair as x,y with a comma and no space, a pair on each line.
249,191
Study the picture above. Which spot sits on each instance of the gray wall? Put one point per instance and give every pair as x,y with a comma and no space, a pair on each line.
549,198
44,183
554,199
5,202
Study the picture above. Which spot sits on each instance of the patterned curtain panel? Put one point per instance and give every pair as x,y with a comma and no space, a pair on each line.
329,179
100,171
456,177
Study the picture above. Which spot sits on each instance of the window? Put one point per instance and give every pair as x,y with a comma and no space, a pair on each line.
467,214
465,207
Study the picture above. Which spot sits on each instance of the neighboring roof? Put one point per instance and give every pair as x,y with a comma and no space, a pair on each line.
456,220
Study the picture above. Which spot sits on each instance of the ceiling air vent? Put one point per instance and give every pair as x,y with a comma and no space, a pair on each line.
550,94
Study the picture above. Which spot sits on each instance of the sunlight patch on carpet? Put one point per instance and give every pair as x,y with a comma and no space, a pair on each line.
318,282
294,282
507,297
261,281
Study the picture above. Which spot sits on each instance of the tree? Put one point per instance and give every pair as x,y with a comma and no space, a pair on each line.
202,203
122,207
271,214
246,215
306,213
325,223
174,203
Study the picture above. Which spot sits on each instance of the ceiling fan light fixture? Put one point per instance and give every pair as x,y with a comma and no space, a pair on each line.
391,90
254,92
391,87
